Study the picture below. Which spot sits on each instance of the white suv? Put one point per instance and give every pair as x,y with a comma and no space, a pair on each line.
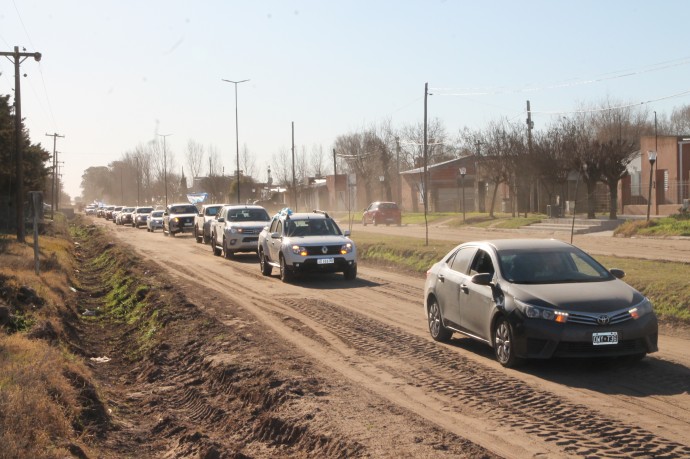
236,229
179,218
306,242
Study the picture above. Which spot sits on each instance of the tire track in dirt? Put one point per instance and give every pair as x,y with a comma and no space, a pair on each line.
576,429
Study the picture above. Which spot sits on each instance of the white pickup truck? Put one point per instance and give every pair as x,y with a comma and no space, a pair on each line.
236,228
202,222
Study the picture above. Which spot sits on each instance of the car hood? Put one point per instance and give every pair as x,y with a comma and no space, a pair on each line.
318,240
182,215
258,224
595,297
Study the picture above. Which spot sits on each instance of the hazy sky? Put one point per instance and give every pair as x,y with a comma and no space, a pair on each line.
114,73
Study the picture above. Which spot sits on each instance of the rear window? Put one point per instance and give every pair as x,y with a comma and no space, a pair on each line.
388,205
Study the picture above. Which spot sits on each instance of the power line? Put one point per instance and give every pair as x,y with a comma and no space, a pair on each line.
634,104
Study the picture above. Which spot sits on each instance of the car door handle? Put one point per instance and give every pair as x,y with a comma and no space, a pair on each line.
464,288
441,277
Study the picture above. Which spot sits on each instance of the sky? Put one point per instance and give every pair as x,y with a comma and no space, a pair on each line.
113,74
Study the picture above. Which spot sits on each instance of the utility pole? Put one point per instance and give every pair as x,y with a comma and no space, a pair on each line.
335,183
425,179
58,191
398,187
138,182
18,58
237,136
294,186
53,201
165,168
530,126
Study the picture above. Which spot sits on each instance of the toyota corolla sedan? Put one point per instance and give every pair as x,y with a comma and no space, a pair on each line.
537,299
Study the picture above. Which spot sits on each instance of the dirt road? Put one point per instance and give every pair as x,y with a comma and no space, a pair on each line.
390,381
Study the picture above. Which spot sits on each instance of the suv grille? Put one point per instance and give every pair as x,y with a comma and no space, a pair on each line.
317,250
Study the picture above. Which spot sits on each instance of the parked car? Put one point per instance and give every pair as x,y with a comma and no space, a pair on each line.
378,213
236,228
179,218
537,299
140,215
154,221
306,242
125,216
202,222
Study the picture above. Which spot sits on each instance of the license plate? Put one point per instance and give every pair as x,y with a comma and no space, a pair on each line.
188,224
600,339
325,261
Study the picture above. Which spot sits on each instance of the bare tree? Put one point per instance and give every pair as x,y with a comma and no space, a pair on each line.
247,162
195,158
318,161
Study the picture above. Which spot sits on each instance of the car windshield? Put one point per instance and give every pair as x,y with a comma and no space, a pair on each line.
248,215
157,213
128,209
212,210
144,210
312,227
190,209
551,266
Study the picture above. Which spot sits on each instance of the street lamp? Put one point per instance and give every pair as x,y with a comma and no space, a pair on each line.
652,160
237,138
463,171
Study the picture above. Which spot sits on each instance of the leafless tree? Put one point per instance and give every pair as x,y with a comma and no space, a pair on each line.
247,162
195,158
318,161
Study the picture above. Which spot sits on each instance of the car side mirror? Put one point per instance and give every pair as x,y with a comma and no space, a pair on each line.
482,279
165,213
220,219
275,235
617,273
346,233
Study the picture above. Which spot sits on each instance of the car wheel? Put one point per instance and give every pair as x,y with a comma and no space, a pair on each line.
198,238
171,233
376,223
214,247
226,253
503,344
364,221
266,269
206,239
285,271
350,273
436,328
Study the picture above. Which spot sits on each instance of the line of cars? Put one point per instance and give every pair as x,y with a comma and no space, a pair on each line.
525,298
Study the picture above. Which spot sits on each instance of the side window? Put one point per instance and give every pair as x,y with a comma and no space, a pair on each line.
482,263
461,260
279,227
274,225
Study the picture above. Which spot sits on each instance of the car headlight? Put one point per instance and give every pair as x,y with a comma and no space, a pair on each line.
236,230
642,308
297,250
176,220
346,248
535,312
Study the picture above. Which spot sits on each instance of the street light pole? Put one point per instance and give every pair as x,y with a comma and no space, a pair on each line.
165,168
463,171
237,138
652,160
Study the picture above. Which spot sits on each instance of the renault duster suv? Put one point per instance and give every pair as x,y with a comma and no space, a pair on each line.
306,242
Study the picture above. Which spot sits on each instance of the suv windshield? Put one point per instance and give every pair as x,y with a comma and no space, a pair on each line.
190,209
312,227
248,215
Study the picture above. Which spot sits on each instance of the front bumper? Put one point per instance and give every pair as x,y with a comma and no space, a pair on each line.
542,339
243,243
340,264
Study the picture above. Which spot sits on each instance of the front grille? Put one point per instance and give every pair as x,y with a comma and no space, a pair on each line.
251,230
186,219
250,239
589,318
318,250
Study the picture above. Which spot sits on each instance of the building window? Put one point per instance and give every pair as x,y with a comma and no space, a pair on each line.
666,180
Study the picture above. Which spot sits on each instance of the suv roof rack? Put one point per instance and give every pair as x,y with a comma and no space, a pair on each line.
317,211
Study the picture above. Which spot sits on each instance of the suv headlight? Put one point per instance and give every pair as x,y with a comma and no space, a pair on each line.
298,250
535,312
346,248
642,308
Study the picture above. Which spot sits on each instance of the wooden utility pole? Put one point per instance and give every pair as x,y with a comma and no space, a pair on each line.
294,186
18,58
53,200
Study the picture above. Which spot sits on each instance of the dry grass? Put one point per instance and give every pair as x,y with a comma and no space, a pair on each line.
38,405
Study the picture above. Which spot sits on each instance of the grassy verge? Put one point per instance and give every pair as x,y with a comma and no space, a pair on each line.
665,283
674,225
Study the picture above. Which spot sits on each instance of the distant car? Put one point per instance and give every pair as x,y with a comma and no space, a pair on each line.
306,242
382,213
179,218
154,221
114,212
140,215
202,222
108,212
125,216
236,228
537,299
